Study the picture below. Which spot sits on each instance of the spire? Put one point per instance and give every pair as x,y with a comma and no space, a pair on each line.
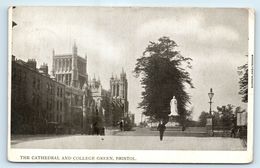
112,77
86,56
53,52
74,49
74,44
123,74
53,63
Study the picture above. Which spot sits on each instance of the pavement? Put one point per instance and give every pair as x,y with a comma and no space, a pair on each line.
192,131
140,139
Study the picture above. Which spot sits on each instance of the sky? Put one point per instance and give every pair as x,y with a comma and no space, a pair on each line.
113,38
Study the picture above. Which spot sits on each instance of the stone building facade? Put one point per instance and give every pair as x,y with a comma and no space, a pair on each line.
37,101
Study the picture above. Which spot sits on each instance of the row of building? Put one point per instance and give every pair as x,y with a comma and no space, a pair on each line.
66,101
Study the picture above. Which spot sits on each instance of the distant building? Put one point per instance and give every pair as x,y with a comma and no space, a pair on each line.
118,89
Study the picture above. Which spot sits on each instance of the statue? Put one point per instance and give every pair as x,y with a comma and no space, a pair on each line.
173,104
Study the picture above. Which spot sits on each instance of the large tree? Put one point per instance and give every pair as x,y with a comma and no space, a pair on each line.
163,75
227,115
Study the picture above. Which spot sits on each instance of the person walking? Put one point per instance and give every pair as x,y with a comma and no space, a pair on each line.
161,127
121,125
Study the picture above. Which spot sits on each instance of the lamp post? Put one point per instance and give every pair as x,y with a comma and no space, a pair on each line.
211,94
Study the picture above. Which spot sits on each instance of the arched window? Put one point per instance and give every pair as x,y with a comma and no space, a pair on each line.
117,90
114,88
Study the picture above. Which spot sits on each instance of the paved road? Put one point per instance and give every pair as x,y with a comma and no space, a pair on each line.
195,132
126,141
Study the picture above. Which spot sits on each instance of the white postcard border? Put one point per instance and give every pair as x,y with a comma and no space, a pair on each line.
139,156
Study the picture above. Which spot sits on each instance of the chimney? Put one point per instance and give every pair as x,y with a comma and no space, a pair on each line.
44,68
31,63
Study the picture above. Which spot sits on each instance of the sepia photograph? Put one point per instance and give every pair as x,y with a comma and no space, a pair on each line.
130,84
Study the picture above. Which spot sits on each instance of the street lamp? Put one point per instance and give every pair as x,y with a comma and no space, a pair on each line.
211,94
210,119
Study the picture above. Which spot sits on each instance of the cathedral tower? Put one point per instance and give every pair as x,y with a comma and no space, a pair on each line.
74,66
70,69
118,89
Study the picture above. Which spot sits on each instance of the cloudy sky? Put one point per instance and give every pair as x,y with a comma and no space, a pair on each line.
112,38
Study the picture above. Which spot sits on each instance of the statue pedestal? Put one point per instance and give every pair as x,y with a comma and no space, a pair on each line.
209,127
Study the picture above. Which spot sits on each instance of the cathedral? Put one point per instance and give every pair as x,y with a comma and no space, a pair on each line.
66,101
102,107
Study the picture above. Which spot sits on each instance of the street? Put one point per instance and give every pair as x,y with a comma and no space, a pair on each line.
140,139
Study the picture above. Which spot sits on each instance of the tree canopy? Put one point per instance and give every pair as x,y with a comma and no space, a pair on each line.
163,75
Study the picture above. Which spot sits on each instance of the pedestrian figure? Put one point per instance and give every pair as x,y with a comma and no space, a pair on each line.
161,127
233,131
121,125
95,128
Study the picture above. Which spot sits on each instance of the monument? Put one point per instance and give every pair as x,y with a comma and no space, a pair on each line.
173,104
174,114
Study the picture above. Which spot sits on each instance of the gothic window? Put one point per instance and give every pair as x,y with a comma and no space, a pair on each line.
61,106
50,87
33,99
25,75
61,92
117,90
58,91
19,76
34,82
47,87
51,105
38,101
59,64
114,90
57,105
38,84
57,118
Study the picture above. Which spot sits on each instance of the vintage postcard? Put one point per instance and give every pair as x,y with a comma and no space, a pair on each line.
131,84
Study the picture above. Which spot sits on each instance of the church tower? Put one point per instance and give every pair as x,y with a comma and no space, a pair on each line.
123,86
70,69
118,89
74,81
